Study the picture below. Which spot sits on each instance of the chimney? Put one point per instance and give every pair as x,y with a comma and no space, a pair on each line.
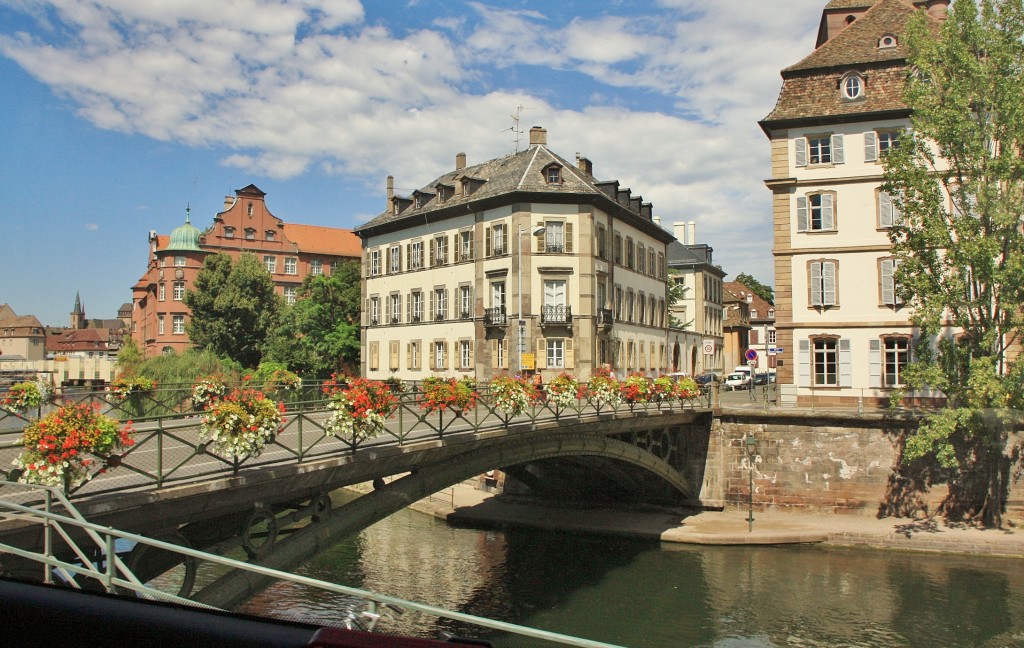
228,201
585,165
538,136
391,191
679,231
460,161
657,220
691,229
938,9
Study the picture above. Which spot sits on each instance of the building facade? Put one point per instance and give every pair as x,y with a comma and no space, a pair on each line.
844,332
289,252
520,263
700,312
761,336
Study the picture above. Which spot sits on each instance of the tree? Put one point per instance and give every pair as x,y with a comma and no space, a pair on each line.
766,293
129,357
234,307
957,182
676,292
319,334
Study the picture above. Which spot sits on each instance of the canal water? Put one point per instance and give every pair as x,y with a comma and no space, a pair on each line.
635,593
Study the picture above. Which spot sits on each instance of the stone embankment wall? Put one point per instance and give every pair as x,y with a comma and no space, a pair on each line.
814,461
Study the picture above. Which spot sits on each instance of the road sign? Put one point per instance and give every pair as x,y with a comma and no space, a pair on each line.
751,355
708,346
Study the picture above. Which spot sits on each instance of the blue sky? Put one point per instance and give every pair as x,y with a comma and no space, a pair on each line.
119,113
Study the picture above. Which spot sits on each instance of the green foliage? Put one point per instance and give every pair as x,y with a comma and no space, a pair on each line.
766,293
676,290
319,334
129,357
234,308
183,369
958,180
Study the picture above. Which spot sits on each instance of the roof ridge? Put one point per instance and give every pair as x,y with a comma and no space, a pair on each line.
854,32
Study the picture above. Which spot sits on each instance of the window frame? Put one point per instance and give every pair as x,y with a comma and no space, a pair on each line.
291,265
817,295
270,263
555,353
826,357
177,324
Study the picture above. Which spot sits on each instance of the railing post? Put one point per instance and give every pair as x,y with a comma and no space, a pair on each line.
160,453
300,416
111,558
48,539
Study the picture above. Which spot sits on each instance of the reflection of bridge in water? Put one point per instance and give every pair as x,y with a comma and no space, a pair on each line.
171,485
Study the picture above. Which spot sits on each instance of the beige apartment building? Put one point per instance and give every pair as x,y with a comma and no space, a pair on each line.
697,340
844,333
524,262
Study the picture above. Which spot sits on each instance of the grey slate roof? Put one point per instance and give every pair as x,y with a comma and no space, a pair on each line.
520,172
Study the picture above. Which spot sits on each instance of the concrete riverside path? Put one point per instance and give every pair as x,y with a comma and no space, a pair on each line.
463,504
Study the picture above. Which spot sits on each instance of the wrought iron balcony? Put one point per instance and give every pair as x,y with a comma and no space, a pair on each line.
495,316
556,315
395,319
465,315
605,319
374,320
555,248
439,317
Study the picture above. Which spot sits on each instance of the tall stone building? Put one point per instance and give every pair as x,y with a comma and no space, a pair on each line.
521,262
289,252
844,334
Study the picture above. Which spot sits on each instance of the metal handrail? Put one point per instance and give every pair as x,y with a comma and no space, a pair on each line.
105,537
168,449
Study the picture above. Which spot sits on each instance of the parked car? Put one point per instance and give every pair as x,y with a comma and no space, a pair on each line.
706,378
762,379
737,381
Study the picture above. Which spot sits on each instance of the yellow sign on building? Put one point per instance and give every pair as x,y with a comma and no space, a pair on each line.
528,362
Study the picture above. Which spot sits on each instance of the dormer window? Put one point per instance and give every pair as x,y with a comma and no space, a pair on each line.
852,86
250,234
553,174
888,41
229,232
270,235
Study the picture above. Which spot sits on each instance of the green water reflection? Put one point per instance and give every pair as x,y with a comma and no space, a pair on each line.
641,594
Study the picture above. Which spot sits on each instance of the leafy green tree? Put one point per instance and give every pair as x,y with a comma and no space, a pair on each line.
957,181
234,308
129,357
184,368
676,290
319,334
766,293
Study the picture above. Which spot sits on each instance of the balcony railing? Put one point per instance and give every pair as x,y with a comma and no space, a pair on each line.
465,315
605,319
439,317
495,316
556,315
555,248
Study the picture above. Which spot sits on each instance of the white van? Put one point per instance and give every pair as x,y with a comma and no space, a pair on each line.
743,369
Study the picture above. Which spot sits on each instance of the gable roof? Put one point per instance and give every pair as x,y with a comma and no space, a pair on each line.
317,239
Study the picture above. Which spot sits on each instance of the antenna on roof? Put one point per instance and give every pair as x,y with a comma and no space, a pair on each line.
515,124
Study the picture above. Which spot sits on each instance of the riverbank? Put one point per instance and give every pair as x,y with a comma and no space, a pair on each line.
464,505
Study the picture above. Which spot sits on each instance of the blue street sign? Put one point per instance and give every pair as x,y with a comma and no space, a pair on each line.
751,355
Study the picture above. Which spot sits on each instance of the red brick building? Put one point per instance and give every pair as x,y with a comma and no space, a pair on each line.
288,251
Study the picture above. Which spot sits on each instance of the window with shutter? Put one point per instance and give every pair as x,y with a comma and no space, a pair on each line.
801,151
874,363
822,285
568,237
541,355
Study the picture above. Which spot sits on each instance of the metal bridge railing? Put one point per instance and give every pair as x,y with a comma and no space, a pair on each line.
168,449
101,557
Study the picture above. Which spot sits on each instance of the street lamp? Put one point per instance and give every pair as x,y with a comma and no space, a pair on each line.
751,445
537,231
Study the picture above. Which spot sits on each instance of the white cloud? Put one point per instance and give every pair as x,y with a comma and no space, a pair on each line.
91,227
291,85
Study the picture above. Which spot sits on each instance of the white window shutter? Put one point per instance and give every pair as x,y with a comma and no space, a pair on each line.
828,219
801,151
874,363
828,283
816,283
884,209
845,364
801,213
888,292
837,149
870,146
804,360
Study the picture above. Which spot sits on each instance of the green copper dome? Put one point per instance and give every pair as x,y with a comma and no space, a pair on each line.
185,238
